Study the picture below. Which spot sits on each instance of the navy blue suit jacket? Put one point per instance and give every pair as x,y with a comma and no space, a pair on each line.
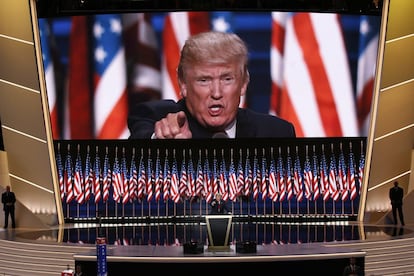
142,119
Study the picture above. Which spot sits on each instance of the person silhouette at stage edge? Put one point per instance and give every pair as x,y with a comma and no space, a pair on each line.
8,199
396,196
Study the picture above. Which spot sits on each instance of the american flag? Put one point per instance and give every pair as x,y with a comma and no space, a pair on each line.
256,177
110,82
207,180
200,187
167,180
124,56
368,47
310,47
351,176
308,178
223,177
88,177
174,189
265,178
191,177
289,178
97,177
69,178
361,167
222,21
324,174
78,180
142,56
240,177
142,179
232,181
61,173
298,179
78,118
107,178
281,178
149,185
342,177
49,70
159,178
117,181
125,179
133,178
248,177
333,182
273,187
183,184
215,181
315,179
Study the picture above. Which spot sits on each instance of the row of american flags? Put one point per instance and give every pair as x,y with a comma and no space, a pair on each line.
307,71
264,175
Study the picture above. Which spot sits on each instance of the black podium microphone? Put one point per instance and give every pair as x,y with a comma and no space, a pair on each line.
220,135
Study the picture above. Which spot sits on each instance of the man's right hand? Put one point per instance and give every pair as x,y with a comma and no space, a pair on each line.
173,126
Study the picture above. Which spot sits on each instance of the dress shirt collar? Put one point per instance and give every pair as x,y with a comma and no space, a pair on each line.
231,130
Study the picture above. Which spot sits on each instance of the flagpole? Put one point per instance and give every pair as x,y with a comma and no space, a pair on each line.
142,207
149,208
324,207
352,207
106,208
280,207
280,233
158,234
297,207
289,233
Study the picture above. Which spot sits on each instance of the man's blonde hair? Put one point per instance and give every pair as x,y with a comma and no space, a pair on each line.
214,48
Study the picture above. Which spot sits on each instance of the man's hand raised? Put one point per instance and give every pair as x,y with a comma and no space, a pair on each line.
173,126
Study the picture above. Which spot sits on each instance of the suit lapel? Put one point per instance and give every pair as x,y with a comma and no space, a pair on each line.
244,128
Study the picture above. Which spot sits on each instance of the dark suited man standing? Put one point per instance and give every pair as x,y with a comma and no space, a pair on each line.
218,205
8,199
396,196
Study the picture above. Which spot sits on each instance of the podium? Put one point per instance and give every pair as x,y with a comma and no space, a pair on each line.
218,230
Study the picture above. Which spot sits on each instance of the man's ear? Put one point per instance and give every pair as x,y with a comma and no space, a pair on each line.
183,89
244,89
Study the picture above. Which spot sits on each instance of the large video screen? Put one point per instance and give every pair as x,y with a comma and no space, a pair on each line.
313,69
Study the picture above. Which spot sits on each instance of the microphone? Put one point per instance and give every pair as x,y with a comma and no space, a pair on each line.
220,135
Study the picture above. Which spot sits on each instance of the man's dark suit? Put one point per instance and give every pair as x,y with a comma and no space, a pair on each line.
249,123
218,207
8,199
396,195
